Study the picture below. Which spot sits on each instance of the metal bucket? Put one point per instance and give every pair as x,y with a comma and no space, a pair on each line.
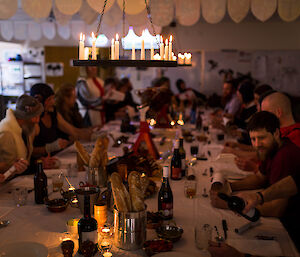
129,229
94,194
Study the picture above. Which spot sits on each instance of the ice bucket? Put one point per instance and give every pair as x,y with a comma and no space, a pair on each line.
129,229
94,194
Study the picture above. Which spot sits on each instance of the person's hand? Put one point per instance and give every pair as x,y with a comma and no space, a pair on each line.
63,143
251,200
21,165
223,250
216,201
2,179
246,164
50,162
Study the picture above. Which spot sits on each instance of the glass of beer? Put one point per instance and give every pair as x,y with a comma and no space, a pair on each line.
190,188
57,182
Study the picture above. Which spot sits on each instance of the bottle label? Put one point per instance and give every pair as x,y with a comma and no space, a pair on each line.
176,173
90,236
167,209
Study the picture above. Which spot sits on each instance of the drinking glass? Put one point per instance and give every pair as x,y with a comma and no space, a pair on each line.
20,196
57,182
194,148
190,188
72,170
203,234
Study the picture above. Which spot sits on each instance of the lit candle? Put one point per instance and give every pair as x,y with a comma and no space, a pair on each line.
86,53
174,58
117,48
152,52
188,58
166,51
143,47
107,254
180,58
94,56
112,52
81,46
161,48
133,52
170,49
156,56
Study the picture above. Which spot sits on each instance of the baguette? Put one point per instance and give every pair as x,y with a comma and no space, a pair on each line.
136,194
120,193
144,184
84,155
96,154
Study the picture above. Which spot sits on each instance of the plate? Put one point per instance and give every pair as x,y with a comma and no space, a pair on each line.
24,249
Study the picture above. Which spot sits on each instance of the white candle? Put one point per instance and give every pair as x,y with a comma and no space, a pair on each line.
143,47
81,46
133,52
161,48
112,53
156,57
86,53
188,58
180,58
117,48
170,48
166,51
152,52
94,56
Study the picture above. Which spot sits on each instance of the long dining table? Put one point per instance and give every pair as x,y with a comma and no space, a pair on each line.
34,223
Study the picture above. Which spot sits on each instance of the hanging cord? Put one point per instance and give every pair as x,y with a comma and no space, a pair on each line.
100,19
151,22
123,19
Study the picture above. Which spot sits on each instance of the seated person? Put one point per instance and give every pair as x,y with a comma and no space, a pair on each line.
187,94
279,158
17,132
230,100
259,92
47,140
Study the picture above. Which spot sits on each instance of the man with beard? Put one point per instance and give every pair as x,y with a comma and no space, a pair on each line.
279,158
17,131
230,100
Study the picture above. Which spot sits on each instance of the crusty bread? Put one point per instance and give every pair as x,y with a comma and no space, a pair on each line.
84,155
144,184
96,154
136,194
121,195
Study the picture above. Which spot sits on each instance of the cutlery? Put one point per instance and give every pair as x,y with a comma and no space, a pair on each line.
4,223
225,228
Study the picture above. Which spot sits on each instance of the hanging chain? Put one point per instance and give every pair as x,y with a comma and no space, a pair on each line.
123,32
100,19
151,22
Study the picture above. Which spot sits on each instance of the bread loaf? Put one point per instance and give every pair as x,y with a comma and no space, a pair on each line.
84,155
136,194
144,184
96,154
121,195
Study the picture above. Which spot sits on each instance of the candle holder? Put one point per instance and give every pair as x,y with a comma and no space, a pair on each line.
67,247
105,240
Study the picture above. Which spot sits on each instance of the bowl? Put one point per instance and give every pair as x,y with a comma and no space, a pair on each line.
57,205
169,232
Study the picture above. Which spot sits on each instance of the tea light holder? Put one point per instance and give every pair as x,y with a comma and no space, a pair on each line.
105,243
107,254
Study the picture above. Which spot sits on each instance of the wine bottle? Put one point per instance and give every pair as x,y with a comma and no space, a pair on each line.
87,226
182,157
40,183
165,196
176,173
237,204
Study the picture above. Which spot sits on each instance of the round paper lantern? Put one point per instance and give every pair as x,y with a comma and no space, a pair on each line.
64,31
113,16
87,14
8,8
97,5
238,9
68,7
37,8
263,9
76,28
162,12
20,30
34,31
213,11
48,30
7,30
138,19
132,6
187,12
289,10
61,19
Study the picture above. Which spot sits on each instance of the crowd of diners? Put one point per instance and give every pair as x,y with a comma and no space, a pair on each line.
263,121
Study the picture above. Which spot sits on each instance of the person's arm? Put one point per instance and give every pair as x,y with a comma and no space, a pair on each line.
251,182
8,153
275,208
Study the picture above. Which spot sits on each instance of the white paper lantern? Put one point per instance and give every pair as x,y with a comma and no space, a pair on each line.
61,19
138,19
37,8
34,31
68,7
187,12
76,28
263,9
64,31
48,30
7,30
113,16
8,8
162,12
238,9
213,11
133,6
139,30
289,10
97,5
20,30
87,14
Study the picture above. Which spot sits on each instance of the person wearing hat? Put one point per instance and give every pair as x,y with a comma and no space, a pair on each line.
47,141
17,132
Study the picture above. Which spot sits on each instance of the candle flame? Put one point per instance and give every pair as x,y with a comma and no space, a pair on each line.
161,39
170,38
166,41
117,37
112,41
93,36
82,37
